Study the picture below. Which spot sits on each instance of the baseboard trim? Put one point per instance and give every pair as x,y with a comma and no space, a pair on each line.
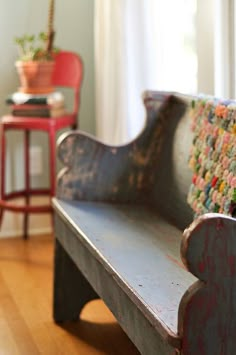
18,233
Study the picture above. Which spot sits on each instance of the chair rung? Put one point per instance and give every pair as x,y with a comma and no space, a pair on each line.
12,206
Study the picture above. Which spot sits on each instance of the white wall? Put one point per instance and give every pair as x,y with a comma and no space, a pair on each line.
74,31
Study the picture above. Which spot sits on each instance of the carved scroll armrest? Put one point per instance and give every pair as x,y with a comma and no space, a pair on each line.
98,172
207,313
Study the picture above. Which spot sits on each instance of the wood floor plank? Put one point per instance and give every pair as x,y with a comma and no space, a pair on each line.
7,344
20,333
26,324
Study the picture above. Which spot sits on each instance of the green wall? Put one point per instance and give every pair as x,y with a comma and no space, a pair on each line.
74,31
73,23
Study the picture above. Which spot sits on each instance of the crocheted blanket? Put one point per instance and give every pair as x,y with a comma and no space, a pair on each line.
213,157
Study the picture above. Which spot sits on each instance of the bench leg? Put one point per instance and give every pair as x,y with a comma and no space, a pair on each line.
71,290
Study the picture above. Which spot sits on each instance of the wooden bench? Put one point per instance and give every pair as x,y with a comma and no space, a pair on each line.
120,219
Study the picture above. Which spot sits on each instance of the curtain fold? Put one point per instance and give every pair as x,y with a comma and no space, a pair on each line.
123,41
224,46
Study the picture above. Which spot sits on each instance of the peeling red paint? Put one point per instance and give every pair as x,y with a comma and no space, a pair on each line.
232,265
201,266
175,261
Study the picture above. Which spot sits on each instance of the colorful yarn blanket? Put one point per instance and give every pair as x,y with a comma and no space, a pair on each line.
213,157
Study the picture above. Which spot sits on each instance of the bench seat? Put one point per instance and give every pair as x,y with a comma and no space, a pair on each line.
132,243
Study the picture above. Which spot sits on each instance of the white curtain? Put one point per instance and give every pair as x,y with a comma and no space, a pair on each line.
124,66
139,45
225,48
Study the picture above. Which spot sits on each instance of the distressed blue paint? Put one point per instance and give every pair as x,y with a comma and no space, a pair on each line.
137,244
98,172
122,225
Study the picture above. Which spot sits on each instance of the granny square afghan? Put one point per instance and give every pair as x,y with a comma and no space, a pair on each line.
213,157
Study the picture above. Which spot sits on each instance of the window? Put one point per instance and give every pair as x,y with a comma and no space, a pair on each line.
176,45
185,46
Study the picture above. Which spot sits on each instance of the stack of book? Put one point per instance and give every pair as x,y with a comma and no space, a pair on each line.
27,105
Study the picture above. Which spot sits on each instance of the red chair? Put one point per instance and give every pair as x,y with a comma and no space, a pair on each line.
68,73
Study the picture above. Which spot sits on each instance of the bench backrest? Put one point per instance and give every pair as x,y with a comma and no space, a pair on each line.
152,169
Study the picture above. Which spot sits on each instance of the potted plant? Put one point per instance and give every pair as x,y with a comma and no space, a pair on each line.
36,59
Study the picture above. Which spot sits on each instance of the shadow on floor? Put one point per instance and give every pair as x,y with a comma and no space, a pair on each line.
99,328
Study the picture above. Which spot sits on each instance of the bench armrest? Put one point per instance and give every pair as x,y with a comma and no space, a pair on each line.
96,171
208,251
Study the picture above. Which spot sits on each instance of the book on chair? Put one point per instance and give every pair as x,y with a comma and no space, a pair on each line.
28,105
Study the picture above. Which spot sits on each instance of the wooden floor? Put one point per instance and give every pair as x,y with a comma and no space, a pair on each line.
26,324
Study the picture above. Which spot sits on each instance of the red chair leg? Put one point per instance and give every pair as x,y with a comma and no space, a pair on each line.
27,181
52,162
2,173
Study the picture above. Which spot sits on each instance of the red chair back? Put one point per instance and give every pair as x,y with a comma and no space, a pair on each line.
69,73
68,70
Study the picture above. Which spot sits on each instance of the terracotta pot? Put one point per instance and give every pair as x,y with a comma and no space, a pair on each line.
35,76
